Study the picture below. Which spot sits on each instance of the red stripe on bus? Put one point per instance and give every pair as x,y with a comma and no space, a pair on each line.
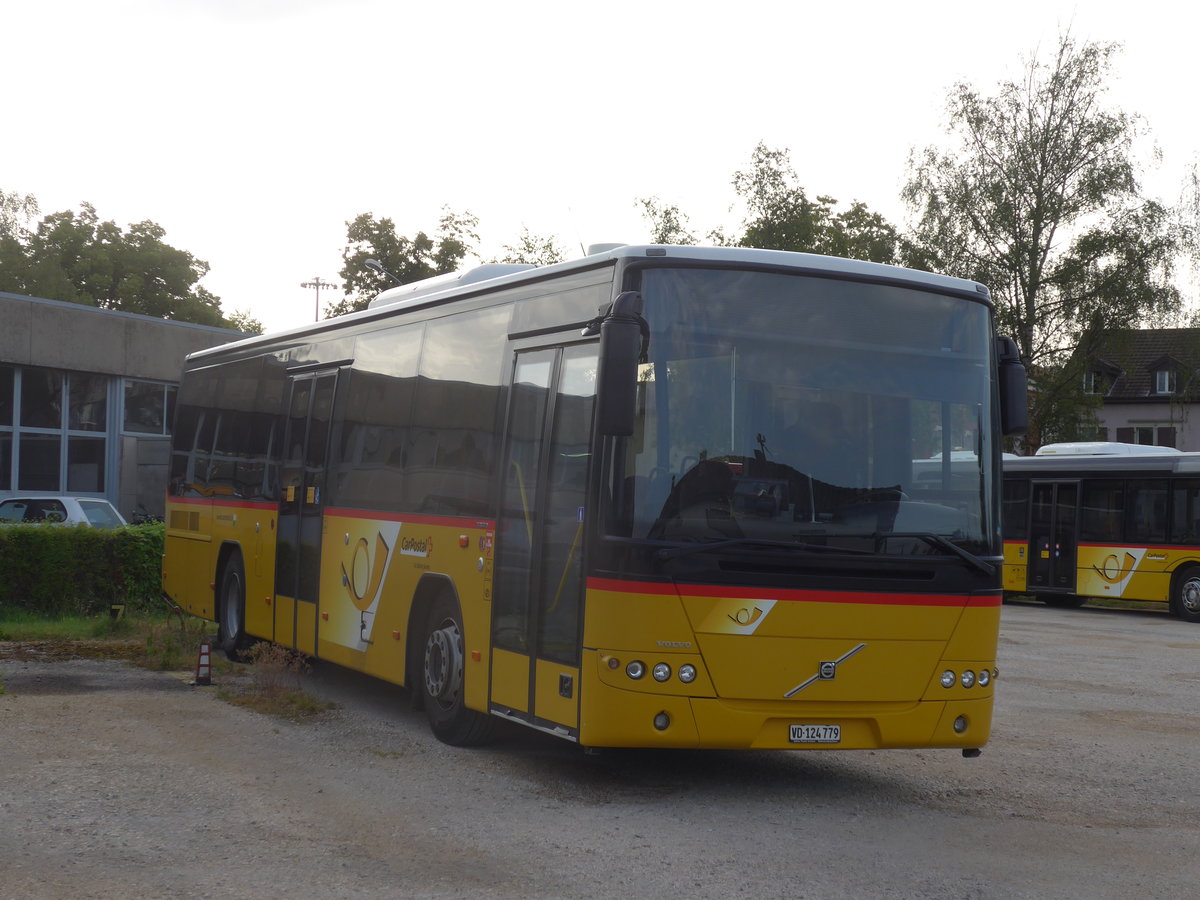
455,521
792,596
220,501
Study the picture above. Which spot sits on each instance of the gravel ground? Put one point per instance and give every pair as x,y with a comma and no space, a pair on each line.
120,782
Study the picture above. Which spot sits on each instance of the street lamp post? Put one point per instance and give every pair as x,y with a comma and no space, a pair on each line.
316,284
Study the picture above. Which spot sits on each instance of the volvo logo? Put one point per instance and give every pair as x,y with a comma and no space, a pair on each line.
826,671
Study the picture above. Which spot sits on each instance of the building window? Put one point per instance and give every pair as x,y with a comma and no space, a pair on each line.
1164,381
1149,435
41,398
54,429
85,465
41,457
6,395
149,407
88,410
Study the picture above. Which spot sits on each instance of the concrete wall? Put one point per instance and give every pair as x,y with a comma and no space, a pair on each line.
37,332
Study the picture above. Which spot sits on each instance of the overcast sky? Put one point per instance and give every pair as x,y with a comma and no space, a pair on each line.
253,130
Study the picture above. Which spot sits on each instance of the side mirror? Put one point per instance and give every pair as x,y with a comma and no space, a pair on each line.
621,335
1014,388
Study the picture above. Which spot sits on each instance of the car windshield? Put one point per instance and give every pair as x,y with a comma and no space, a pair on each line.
808,410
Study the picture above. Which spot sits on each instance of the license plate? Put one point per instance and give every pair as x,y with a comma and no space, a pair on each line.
815,734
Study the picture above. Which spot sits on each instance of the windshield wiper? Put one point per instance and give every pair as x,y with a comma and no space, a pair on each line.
943,543
689,549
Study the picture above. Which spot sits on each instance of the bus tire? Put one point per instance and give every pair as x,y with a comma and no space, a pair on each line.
441,679
1063,601
1185,595
231,614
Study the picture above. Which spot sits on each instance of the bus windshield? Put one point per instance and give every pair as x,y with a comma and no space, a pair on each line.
809,410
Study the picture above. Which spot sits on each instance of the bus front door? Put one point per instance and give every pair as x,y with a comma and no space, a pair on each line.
298,554
1052,537
538,588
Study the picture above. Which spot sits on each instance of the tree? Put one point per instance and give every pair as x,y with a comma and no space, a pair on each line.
78,258
409,259
780,215
668,225
533,250
16,211
1038,197
242,321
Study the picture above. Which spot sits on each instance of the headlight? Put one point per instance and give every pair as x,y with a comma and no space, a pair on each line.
948,679
985,677
635,670
687,674
968,679
661,672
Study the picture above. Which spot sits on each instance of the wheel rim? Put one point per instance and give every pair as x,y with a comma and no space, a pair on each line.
443,663
230,613
1189,596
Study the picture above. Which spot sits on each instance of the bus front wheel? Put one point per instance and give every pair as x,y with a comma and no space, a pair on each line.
442,679
231,621
1185,595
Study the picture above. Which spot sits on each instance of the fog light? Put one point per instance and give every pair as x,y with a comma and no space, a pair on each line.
635,670
614,663
662,721
968,679
960,724
948,679
985,677
661,672
687,674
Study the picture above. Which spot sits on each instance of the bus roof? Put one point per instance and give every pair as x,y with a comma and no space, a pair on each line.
1083,466
444,285
1102,448
490,276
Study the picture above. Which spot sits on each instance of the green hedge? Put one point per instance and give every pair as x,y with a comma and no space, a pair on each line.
57,570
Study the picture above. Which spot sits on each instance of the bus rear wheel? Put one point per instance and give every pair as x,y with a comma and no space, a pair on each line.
442,680
231,621
1185,595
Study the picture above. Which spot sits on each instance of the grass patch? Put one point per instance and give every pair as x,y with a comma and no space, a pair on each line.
268,683
152,641
274,684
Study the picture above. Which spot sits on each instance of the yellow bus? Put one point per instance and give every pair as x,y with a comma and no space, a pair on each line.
655,497
1114,523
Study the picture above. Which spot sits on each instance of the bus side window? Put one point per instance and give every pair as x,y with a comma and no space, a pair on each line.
1102,510
1147,512
1016,510
1185,516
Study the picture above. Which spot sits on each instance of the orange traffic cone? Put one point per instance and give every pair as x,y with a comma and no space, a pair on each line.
203,665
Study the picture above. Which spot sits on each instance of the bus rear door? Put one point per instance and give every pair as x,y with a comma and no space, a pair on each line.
298,555
1053,537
